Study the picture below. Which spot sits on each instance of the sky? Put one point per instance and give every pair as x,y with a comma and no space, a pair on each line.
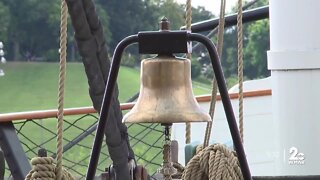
211,5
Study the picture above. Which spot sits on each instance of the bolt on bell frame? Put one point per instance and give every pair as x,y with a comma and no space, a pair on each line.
166,42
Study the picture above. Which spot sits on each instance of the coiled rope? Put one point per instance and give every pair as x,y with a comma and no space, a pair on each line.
215,162
44,168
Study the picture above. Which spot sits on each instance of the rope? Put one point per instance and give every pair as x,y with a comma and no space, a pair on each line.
215,162
188,25
62,75
214,83
240,66
167,168
44,168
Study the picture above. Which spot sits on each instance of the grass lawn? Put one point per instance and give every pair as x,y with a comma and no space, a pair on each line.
33,86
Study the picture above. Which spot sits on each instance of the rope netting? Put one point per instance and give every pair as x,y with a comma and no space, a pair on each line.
145,139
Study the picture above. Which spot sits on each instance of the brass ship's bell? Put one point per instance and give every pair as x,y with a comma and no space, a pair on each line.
166,94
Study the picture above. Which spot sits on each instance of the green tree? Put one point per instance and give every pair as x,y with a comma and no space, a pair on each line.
173,11
131,16
256,43
195,68
29,28
4,21
200,14
128,17
255,52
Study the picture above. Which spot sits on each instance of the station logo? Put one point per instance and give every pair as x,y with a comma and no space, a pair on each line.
296,157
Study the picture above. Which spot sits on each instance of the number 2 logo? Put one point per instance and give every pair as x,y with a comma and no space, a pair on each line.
295,155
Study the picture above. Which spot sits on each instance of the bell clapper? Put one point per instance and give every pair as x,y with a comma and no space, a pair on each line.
167,168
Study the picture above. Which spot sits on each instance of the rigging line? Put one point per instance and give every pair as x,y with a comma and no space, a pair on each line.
214,83
215,30
240,67
189,56
62,75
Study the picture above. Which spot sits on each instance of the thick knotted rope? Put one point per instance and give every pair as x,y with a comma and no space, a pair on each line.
215,162
44,168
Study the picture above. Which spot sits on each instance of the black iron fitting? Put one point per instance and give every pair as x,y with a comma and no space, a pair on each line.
164,24
165,27
231,20
163,42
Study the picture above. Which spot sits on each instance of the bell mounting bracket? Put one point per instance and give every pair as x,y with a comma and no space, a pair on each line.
163,42
166,42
